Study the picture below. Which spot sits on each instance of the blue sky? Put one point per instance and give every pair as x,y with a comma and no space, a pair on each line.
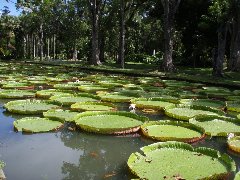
11,6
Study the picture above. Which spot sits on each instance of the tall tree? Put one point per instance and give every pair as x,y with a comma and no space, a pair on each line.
94,6
234,59
170,8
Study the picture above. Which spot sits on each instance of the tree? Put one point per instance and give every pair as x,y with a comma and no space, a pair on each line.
170,8
94,6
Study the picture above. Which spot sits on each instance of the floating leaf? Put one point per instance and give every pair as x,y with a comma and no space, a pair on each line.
29,106
60,115
234,144
109,122
151,103
187,112
16,94
176,159
172,131
93,106
36,124
217,125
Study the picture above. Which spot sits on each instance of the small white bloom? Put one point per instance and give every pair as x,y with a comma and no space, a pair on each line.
230,135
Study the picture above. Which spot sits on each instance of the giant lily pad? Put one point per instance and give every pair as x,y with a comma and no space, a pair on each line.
234,144
68,100
60,115
115,97
152,103
47,93
70,85
217,125
204,103
237,176
93,106
109,122
187,112
233,106
92,88
29,106
177,160
16,94
172,131
36,124
15,85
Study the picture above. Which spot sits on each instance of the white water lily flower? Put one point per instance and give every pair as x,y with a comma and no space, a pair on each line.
230,135
132,106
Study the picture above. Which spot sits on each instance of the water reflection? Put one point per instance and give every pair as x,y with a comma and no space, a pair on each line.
103,156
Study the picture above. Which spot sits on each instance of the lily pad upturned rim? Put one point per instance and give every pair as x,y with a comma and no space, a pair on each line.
232,146
189,102
231,106
9,94
11,106
206,118
52,115
136,157
109,97
214,112
174,123
158,99
19,125
107,130
57,99
77,105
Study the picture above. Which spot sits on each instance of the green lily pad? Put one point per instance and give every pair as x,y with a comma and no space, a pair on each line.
177,160
70,85
16,94
152,103
29,106
237,176
172,131
16,85
36,124
47,93
60,115
109,122
187,112
233,106
92,88
93,106
234,144
115,97
110,84
217,125
238,116
204,103
71,99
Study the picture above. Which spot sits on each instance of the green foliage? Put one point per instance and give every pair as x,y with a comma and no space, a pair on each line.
160,161
36,124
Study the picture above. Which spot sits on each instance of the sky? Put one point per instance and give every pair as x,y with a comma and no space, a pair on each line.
11,6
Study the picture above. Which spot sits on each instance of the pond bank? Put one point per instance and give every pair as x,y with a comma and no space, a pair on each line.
191,75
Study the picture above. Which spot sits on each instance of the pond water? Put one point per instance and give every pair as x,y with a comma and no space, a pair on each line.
73,154
76,155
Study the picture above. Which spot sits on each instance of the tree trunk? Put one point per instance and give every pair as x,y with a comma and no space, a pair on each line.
234,60
170,8
54,46
34,47
102,48
48,48
94,7
41,41
218,63
121,52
